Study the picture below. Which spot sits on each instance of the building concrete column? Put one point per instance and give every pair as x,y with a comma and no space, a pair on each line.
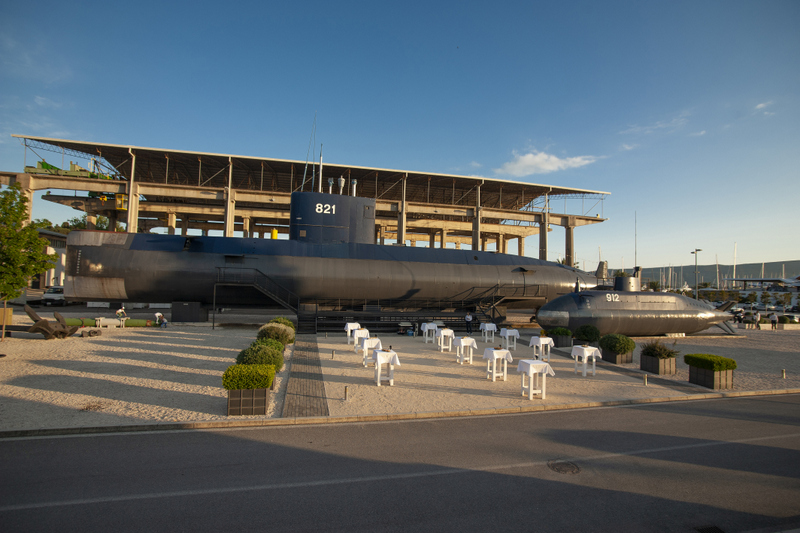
543,233
501,243
442,241
112,221
401,216
569,244
230,202
185,226
91,220
246,227
132,222
171,222
382,235
482,247
205,232
477,242
432,238
521,246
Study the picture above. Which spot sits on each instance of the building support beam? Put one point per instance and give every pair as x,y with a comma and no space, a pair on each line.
401,217
132,223
230,201
477,242
569,246
246,227
543,227
171,223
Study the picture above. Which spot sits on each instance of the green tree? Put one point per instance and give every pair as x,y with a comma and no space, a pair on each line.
654,285
21,250
751,298
765,298
785,299
102,224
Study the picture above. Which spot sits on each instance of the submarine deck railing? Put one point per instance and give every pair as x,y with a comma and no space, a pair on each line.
259,280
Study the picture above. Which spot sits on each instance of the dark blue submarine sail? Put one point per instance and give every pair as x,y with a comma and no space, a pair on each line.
330,257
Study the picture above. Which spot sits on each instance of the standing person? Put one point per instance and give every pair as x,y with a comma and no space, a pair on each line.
468,320
773,318
758,320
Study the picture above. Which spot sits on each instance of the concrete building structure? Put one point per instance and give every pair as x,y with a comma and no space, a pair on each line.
148,188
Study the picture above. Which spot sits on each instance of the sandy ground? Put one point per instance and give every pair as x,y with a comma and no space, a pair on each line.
144,376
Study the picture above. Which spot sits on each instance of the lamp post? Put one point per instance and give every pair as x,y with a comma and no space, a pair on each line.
696,250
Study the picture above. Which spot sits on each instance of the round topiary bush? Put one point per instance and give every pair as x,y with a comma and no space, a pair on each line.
784,320
587,333
272,343
280,332
285,321
658,350
617,343
260,354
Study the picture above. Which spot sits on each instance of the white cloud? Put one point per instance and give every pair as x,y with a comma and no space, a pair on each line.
697,133
627,147
768,113
41,101
764,104
541,163
475,164
668,125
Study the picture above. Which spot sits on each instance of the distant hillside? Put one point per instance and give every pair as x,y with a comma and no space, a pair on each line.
708,273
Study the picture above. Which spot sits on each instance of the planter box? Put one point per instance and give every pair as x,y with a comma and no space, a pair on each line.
617,358
720,379
657,366
789,326
562,341
248,402
7,316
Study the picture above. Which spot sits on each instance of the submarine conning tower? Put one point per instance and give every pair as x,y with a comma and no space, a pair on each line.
322,218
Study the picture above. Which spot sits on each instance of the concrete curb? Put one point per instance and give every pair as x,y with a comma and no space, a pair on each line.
355,419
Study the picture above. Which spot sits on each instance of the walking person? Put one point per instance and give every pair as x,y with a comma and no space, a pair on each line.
758,320
468,320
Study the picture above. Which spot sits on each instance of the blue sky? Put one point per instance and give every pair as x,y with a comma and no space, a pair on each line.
688,113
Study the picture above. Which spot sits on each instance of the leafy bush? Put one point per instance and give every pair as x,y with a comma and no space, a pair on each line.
617,343
271,343
248,377
559,332
656,349
709,362
784,320
588,333
285,321
260,354
280,332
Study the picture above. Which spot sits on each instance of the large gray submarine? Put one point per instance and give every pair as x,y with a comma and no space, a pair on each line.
631,312
330,260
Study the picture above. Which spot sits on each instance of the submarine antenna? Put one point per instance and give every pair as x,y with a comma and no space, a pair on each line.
635,241
310,144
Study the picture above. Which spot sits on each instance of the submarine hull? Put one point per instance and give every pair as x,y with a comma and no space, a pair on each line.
635,314
104,266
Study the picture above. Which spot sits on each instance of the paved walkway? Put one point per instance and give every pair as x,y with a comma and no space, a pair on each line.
305,391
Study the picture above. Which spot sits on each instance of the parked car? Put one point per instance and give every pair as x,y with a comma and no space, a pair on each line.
54,296
793,319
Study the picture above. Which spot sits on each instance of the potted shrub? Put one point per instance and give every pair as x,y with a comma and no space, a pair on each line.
562,337
712,371
262,352
283,320
657,358
587,335
617,349
248,388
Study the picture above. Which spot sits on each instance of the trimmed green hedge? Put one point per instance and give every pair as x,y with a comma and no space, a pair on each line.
709,362
656,349
271,343
614,342
279,332
248,377
261,354
784,320
588,333
285,321
559,332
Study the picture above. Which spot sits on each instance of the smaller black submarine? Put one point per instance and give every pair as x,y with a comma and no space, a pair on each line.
632,312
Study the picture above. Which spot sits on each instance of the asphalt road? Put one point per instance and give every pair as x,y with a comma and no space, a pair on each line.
733,464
